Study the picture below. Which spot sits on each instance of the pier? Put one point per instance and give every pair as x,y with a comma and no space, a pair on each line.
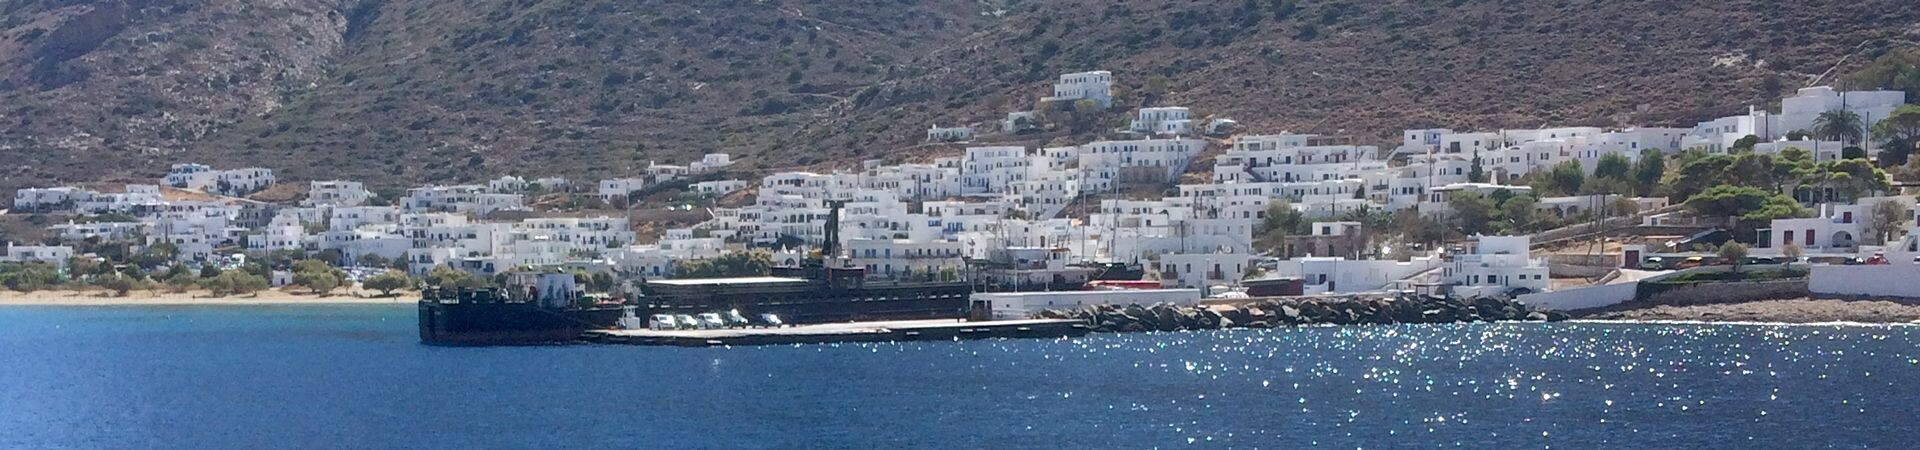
906,330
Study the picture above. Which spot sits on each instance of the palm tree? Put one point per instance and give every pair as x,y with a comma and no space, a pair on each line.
1840,125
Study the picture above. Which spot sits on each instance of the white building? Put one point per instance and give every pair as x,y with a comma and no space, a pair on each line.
709,163
234,182
1332,275
620,188
1166,121
471,199
49,199
1838,228
906,259
1095,85
55,255
1202,270
717,188
938,133
1497,265
336,193
106,231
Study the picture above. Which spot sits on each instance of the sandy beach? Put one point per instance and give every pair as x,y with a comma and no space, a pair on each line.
95,297
1798,310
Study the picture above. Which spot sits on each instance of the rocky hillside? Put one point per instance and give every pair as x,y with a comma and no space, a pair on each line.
441,91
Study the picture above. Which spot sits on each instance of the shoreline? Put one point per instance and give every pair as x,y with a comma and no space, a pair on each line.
1793,311
197,298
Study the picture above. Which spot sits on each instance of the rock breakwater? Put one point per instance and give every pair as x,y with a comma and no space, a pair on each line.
1282,312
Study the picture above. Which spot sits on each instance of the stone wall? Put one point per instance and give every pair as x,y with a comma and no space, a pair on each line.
1709,292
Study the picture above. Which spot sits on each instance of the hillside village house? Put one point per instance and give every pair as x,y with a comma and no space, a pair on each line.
1096,85
336,193
55,255
48,199
938,133
1164,121
232,183
1837,228
1495,265
1797,113
620,188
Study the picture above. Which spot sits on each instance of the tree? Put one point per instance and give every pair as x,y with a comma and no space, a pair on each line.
1887,217
1898,134
1517,214
120,285
1792,252
155,255
28,277
1565,178
235,282
1613,166
1744,205
1852,152
732,264
319,282
1652,166
1623,206
181,280
1281,221
1476,174
209,271
1472,213
1734,253
1839,125
84,265
450,278
388,282
1744,144
372,260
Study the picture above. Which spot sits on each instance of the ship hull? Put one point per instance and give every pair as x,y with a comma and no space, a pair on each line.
484,324
815,304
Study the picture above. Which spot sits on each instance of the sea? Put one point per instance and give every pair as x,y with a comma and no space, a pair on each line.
205,377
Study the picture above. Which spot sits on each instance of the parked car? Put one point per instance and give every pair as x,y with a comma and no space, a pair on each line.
770,321
734,319
1654,263
1690,262
1878,259
662,322
711,321
687,322
1761,260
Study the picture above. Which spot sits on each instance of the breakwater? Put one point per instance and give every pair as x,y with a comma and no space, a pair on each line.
1282,312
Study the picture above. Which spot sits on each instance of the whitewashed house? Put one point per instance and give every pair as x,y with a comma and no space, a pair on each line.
234,182
336,193
718,187
710,163
938,133
1165,121
620,188
1497,265
55,255
1838,228
1096,85
49,199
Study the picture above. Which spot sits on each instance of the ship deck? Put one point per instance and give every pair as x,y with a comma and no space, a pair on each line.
903,330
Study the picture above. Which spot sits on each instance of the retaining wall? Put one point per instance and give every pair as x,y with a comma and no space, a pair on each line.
1901,280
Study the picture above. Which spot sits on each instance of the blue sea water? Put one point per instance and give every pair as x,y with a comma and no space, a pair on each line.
355,377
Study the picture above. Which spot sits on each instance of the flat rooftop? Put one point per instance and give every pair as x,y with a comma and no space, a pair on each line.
716,281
